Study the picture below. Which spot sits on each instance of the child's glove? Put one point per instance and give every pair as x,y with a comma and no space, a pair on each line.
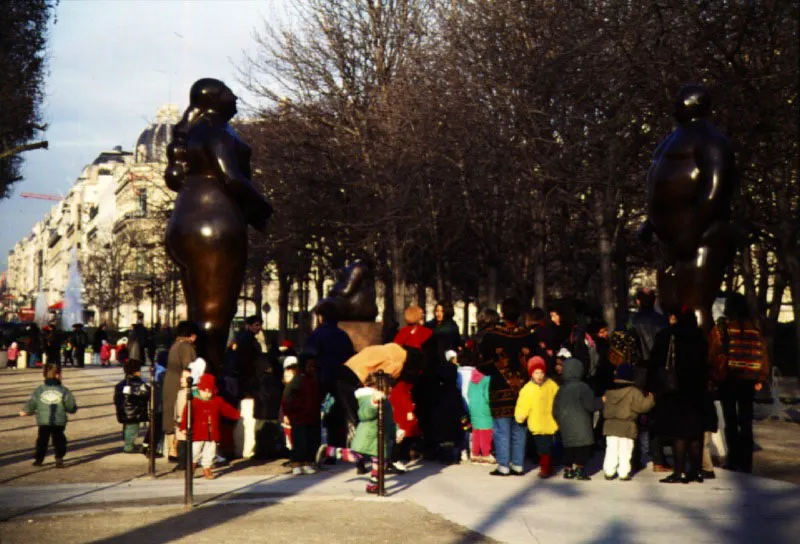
400,435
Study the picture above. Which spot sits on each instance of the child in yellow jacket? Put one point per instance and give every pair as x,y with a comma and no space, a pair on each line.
535,403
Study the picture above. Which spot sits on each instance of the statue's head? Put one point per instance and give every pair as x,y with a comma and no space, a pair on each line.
693,102
213,96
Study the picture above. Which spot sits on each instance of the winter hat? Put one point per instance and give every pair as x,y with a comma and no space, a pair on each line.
536,363
564,353
449,355
624,373
207,383
290,361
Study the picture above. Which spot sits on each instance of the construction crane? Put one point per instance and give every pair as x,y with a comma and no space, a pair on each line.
41,196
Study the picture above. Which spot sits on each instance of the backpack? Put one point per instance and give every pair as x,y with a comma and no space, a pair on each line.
583,348
624,348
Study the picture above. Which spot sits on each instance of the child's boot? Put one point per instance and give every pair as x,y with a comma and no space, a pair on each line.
545,466
580,474
372,489
569,473
208,474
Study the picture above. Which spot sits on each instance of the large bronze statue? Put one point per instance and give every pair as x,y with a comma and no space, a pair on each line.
209,167
690,186
353,294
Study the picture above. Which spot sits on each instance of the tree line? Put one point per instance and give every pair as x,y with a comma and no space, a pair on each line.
497,147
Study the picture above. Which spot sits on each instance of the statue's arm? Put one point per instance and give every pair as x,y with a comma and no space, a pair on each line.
719,182
223,157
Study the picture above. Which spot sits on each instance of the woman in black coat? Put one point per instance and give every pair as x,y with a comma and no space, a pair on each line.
679,369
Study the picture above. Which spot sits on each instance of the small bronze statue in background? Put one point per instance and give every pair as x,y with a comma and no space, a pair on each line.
690,186
209,167
353,294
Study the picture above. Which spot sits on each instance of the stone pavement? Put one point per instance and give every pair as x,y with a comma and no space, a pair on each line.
733,508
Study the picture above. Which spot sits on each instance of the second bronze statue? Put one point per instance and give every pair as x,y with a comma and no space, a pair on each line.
209,167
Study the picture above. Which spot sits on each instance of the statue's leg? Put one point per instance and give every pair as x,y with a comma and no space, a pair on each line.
699,279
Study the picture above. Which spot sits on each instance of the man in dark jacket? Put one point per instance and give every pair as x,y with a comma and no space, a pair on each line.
646,324
247,353
97,343
139,340
131,398
330,348
79,341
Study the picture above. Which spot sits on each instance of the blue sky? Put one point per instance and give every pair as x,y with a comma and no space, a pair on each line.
112,64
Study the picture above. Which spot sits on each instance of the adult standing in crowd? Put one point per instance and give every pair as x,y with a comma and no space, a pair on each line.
743,369
52,345
139,340
79,340
97,342
679,364
330,347
646,324
181,354
504,350
248,350
34,346
445,331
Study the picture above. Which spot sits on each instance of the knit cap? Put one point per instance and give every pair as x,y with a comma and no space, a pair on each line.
535,363
449,355
207,383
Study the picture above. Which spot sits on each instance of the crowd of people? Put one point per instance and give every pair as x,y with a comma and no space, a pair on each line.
529,385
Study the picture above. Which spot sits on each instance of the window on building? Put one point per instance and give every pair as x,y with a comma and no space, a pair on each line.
141,265
141,202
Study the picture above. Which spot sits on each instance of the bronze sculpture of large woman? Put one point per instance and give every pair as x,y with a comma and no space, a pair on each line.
690,188
209,168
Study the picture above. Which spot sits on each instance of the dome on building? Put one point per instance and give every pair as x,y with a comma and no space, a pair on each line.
152,143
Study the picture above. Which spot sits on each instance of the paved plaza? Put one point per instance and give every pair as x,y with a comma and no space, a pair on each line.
105,496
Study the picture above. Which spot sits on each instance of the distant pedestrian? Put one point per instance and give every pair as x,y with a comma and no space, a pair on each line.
79,341
535,404
622,405
131,399
100,336
13,355
105,353
207,408
181,355
51,402
573,408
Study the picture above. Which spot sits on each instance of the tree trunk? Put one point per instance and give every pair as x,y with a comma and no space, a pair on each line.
422,297
621,274
398,281
491,287
465,330
283,304
606,269
440,295
258,292
748,275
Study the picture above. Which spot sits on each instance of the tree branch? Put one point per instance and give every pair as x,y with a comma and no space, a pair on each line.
22,148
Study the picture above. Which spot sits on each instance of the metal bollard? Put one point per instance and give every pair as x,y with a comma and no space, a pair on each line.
381,378
151,470
188,490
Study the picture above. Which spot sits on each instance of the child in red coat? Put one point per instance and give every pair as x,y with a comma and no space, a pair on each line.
207,407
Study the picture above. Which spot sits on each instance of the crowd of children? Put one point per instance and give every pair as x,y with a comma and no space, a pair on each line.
478,399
